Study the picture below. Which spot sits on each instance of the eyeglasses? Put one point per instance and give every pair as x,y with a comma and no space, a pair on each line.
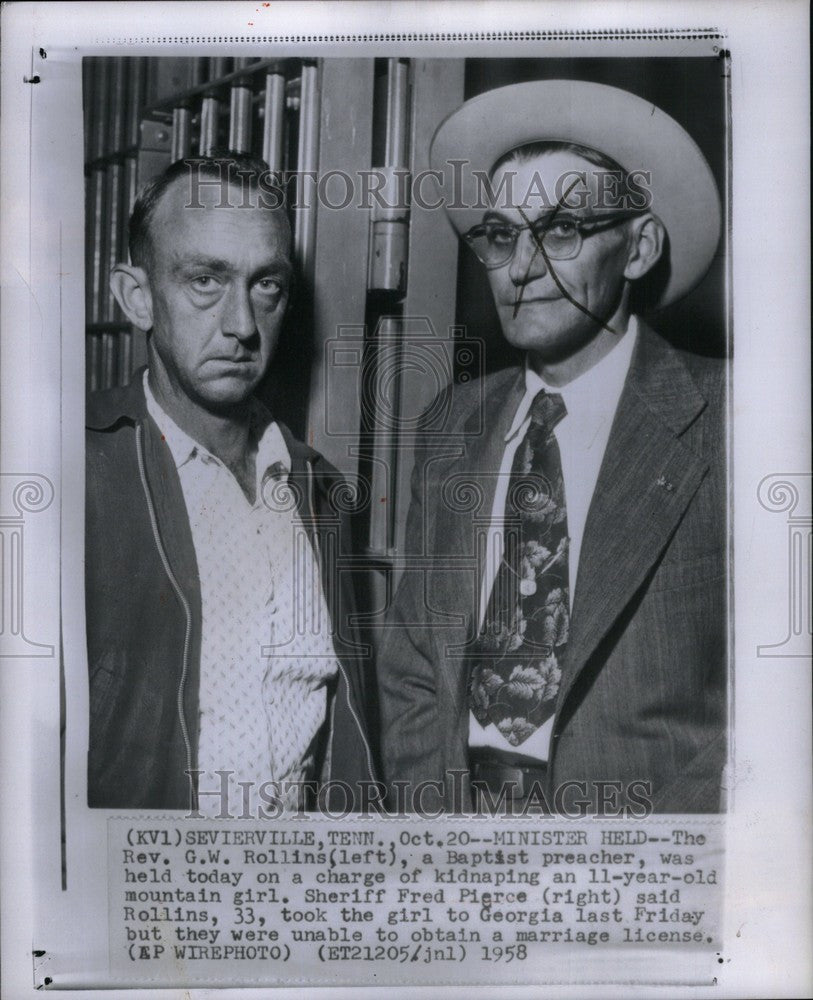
560,236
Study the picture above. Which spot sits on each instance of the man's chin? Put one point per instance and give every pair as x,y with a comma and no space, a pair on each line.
229,391
549,341
549,345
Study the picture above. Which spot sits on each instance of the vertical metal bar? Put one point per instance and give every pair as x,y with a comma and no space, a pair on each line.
240,120
94,361
307,164
94,192
390,225
109,359
385,386
88,76
125,357
101,106
389,254
95,243
181,133
274,121
109,310
114,221
132,342
199,70
136,97
152,83
395,154
218,66
115,125
129,193
209,115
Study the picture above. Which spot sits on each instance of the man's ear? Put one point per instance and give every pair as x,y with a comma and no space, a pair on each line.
646,247
131,288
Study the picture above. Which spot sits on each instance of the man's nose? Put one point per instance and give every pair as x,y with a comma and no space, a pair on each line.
528,261
238,314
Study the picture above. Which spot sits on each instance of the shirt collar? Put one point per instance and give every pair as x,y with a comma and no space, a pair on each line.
272,452
593,395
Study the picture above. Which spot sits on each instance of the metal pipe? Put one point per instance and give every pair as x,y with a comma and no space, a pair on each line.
136,99
181,133
109,359
109,308
101,108
95,204
307,163
130,183
199,70
395,151
240,110
93,360
240,120
218,66
382,405
116,123
125,359
389,246
274,121
209,114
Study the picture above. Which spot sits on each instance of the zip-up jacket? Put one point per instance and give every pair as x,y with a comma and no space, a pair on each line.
143,611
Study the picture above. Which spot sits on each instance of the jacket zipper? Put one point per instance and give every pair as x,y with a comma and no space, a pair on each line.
317,549
184,603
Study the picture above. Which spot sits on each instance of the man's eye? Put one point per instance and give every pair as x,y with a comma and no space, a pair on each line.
500,235
203,283
270,286
559,228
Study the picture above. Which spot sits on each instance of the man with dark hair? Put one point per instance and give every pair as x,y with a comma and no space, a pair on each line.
221,671
566,649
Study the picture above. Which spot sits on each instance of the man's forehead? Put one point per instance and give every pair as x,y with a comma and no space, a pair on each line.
547,180
191,198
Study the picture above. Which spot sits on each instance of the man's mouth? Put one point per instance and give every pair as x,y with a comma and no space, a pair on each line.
526,300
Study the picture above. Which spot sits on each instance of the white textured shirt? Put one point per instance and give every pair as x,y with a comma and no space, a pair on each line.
266,650
582,434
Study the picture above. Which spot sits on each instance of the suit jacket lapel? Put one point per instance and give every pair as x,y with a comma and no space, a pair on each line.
647,479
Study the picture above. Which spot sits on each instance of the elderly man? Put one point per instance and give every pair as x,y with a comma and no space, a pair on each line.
566,648
216,677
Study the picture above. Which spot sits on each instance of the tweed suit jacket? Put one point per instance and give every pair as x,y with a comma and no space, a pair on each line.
642,699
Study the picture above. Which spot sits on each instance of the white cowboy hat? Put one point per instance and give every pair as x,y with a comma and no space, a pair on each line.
633,132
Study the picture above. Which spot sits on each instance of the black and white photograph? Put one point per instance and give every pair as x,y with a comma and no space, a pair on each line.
585,212
415,593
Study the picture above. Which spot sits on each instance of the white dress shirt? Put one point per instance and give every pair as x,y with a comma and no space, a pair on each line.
591,401
266,650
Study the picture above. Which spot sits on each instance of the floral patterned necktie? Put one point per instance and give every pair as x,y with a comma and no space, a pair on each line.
516,667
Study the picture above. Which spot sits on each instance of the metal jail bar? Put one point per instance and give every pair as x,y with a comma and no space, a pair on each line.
115,94
274,121
388,260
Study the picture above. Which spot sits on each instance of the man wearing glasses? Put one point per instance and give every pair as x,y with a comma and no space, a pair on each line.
566,648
